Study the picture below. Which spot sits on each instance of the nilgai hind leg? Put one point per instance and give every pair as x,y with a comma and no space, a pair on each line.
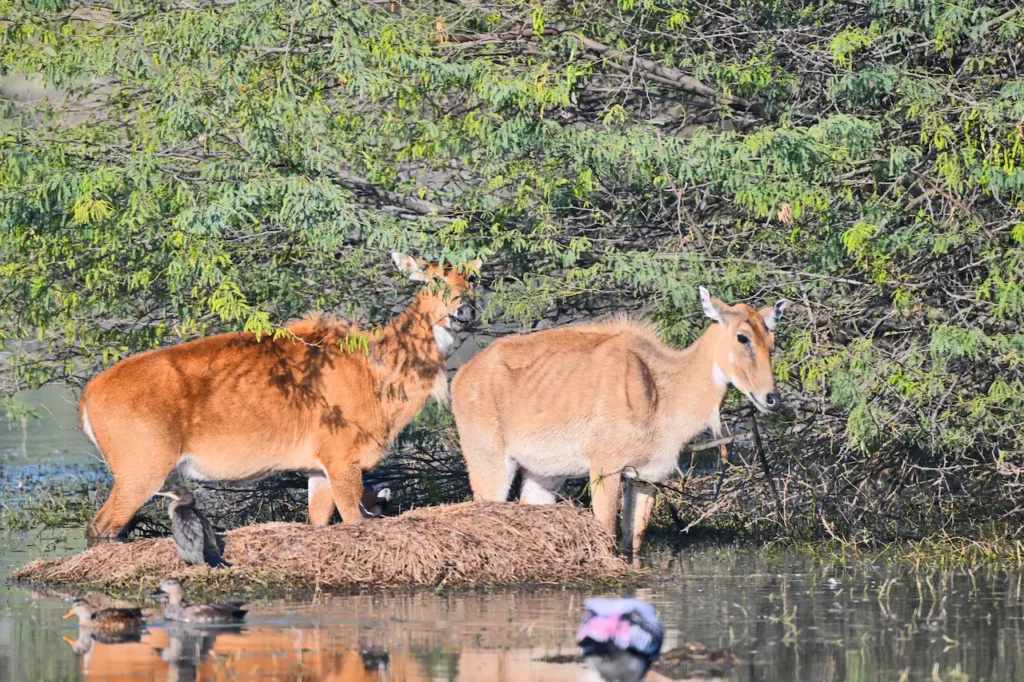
130,492
491,472
138,474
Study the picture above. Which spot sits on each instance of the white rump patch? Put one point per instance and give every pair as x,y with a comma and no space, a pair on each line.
719,376
540,489
87,427
444,339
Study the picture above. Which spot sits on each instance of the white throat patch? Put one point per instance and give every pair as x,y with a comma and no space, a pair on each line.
444,339
719,376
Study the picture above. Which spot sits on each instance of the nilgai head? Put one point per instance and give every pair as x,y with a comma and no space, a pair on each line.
453,286
743,349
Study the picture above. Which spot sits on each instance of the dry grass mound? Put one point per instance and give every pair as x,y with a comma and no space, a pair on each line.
475,543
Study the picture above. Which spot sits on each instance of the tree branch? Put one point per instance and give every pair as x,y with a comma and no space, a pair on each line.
385,197
663,74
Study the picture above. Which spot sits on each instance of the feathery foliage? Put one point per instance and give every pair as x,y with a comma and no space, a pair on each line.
230,164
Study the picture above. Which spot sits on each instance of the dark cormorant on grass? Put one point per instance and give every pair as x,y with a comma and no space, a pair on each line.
193,535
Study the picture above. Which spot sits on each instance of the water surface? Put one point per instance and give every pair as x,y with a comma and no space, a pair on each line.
786,617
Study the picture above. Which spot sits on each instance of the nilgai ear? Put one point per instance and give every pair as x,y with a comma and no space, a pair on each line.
772,314
409,266
476,264
713,307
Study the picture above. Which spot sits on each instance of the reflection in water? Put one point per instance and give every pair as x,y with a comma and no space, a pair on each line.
188,647
620,638
178,654
785,617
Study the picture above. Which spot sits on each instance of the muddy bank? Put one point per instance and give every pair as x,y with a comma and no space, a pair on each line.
455,545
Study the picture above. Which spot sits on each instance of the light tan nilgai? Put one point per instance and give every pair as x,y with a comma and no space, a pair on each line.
604,399
231,407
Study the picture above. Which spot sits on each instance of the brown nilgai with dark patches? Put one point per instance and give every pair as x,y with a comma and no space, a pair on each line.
325,398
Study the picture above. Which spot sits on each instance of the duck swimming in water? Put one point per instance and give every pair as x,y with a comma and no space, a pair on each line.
193,535
107,625
229,612
620,638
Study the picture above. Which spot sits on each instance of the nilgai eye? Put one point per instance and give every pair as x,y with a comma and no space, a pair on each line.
742,338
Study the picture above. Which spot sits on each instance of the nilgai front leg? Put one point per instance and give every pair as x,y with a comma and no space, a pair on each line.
343,463
321,500
637,517
604,495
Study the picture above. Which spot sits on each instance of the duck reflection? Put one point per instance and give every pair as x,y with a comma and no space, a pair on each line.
82,648
180,652
362,638
187,646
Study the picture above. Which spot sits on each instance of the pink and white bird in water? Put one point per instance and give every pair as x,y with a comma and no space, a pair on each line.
620,638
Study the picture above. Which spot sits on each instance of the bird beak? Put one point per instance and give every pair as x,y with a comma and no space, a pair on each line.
68,640
68,614
170,495
158,593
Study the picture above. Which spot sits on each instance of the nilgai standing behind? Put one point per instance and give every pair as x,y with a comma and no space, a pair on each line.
231,407
603,398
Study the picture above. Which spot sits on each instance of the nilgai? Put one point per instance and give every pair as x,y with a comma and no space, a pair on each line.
602,400
324,398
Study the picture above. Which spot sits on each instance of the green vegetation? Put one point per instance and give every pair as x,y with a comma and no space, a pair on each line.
233,164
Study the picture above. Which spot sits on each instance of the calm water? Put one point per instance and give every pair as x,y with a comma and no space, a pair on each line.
784,616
